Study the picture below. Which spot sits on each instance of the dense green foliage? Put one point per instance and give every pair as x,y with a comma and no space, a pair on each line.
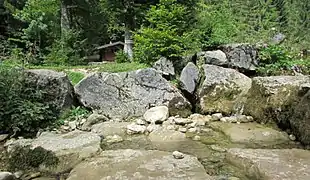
23,109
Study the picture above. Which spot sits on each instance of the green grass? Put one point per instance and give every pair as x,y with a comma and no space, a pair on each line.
121,67
75,77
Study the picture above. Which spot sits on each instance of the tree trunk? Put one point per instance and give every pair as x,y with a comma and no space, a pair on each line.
65,22
128,48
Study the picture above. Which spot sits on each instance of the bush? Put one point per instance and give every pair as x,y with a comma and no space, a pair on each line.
23,109
121,57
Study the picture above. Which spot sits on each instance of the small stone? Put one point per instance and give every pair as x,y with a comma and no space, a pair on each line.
66,123
182,121
171,127
114,139
3,137
242,118
140,122
218,148
292,137
18,174
232,119
153,127
135,129
178,155
192,130
216,116
72,125
66,128
207,130
196,138
182,130
6,176
83,121
250,118
157,114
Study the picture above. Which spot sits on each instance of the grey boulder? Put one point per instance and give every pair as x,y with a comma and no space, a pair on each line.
56,85
164,66
189,78
223,90
217,57
130,94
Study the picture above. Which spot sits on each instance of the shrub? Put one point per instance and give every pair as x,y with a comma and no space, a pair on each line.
121,57
23,108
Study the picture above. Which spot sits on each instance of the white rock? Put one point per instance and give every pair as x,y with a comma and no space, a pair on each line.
153,127
182,121
171,127
178,155
192,130
292,137
231,119
6,176
250,118
216,116
114,139
140,122
157,114
135,129
196,138
72,125
18,174
3,137
182,129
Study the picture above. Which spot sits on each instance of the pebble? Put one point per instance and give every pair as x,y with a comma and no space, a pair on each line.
178,155
292,137
182,130
196,138
216,116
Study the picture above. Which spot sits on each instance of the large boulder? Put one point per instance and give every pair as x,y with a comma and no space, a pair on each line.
241,56
300,120
139,164
55,85
190,78
223,90
70,148
217,57
130,94
272,164
271,98
165,67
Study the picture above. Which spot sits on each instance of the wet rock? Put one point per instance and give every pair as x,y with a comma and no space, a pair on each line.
130,94
6,176
182,121
217,57
166,136
57,86
178,155
252,134
3,137
164,67
189,78
135,129
110,128
216,116
241,56
275,164
93,119
139,164
157,114
223,90
70,148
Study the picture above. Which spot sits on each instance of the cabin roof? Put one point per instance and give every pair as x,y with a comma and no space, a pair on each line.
110,45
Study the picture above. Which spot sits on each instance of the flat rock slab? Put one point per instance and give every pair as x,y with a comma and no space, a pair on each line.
139,164
252,134
70,148
110,128
272,164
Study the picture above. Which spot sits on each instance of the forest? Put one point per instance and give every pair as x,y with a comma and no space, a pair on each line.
65,32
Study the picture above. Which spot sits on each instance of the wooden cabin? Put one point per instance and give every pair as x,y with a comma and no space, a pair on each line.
107,52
